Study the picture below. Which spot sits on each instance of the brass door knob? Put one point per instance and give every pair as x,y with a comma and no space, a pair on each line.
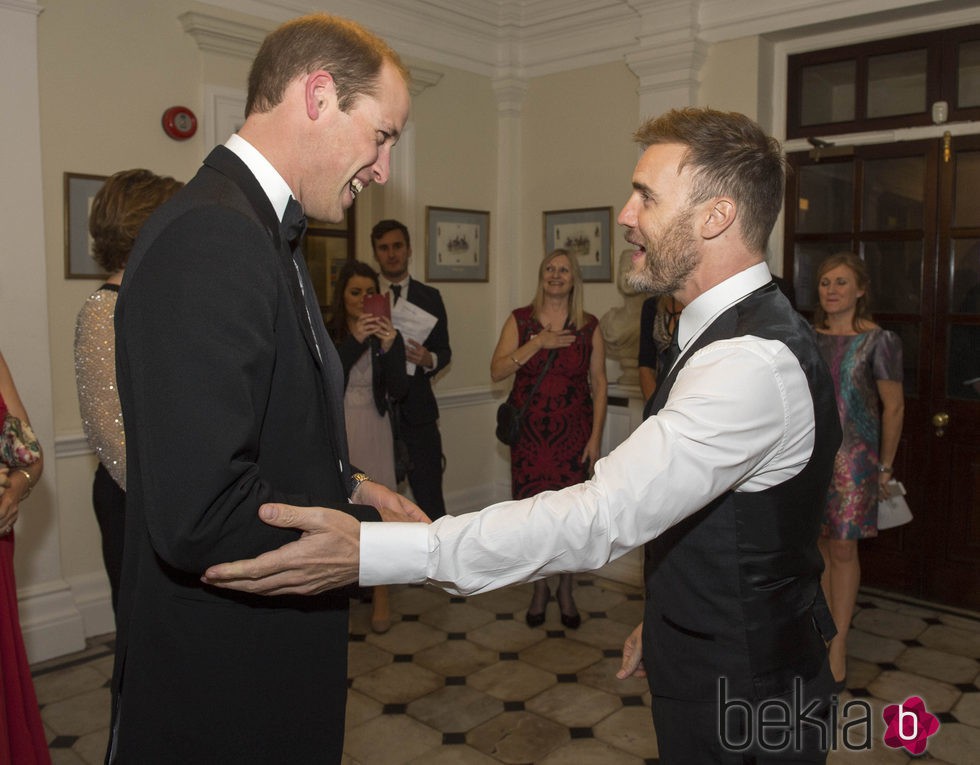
939,421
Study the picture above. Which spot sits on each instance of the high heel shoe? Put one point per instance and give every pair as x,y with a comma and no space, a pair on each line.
536,618
571,621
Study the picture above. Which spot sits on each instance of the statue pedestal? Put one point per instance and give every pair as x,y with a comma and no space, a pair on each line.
631,372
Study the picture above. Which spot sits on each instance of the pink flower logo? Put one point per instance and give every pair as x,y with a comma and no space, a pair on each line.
909,725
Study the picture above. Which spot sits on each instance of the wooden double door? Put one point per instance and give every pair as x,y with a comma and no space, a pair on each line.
911,210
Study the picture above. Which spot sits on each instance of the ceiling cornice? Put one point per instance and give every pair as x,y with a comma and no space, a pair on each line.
529,38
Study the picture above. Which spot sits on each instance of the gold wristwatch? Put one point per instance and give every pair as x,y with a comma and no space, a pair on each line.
356,480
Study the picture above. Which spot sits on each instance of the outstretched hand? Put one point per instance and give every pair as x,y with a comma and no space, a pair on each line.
632,665
325,557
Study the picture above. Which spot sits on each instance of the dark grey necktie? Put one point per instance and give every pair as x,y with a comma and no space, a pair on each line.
396,290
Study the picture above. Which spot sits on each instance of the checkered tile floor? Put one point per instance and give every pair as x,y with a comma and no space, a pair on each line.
465,681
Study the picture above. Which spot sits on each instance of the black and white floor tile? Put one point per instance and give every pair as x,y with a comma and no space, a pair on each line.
465,681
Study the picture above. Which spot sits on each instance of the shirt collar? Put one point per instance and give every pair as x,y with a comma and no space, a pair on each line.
386,284
706,307
267,176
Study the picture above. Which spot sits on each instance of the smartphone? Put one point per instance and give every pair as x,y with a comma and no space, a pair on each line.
377,305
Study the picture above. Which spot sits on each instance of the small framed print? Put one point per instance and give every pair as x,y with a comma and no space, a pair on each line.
80,190
586,234
326,248
457,246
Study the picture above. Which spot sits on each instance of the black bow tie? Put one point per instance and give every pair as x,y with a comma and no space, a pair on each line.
293,221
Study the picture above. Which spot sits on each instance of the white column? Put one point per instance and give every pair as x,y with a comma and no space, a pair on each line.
51,623
399,197
668,56
510,90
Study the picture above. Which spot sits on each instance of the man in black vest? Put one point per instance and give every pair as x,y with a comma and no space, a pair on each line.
727,474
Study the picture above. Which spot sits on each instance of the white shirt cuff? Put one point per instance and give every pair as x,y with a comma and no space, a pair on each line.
394,553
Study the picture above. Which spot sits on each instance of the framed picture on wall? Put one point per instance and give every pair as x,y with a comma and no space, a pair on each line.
586,234
457,245
326,247
80,190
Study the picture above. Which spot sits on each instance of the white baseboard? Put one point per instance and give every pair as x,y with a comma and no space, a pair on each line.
50,621
93,598
57,617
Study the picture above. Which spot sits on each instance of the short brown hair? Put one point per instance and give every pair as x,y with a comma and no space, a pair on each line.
351,54
386,226
120,209
730,155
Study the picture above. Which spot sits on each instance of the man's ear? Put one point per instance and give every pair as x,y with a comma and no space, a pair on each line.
721,213
320,93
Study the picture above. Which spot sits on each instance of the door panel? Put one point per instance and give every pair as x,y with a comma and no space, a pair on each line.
910,210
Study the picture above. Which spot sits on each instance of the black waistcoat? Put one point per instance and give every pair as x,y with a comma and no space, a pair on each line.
734,590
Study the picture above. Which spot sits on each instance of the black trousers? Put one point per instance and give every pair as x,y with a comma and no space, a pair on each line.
424,444
109,501
691,731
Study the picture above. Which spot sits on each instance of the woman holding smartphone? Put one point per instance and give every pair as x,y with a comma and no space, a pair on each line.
373,356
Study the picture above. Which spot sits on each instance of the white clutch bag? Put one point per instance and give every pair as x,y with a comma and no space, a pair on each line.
894,511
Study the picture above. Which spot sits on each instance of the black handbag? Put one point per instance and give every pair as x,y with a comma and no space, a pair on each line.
509,417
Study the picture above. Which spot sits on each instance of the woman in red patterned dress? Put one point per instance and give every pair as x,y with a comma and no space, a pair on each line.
562,427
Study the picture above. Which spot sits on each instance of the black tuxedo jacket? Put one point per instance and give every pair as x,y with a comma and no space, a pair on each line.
227,405
419,406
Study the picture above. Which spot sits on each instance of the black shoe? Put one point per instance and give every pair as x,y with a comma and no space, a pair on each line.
534,620
840,685
571,620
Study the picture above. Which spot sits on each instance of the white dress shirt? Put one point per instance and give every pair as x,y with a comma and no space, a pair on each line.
739,416
272,183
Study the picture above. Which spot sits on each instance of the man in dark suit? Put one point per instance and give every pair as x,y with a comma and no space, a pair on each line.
232,396
419,413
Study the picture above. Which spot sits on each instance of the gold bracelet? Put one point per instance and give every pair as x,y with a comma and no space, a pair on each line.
30,484
514,359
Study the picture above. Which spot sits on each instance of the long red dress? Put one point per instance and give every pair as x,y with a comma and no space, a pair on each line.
558,421
22,740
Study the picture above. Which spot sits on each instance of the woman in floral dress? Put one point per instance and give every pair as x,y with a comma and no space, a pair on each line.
866,364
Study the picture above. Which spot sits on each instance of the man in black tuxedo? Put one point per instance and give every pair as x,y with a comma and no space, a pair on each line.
232,396
418,411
